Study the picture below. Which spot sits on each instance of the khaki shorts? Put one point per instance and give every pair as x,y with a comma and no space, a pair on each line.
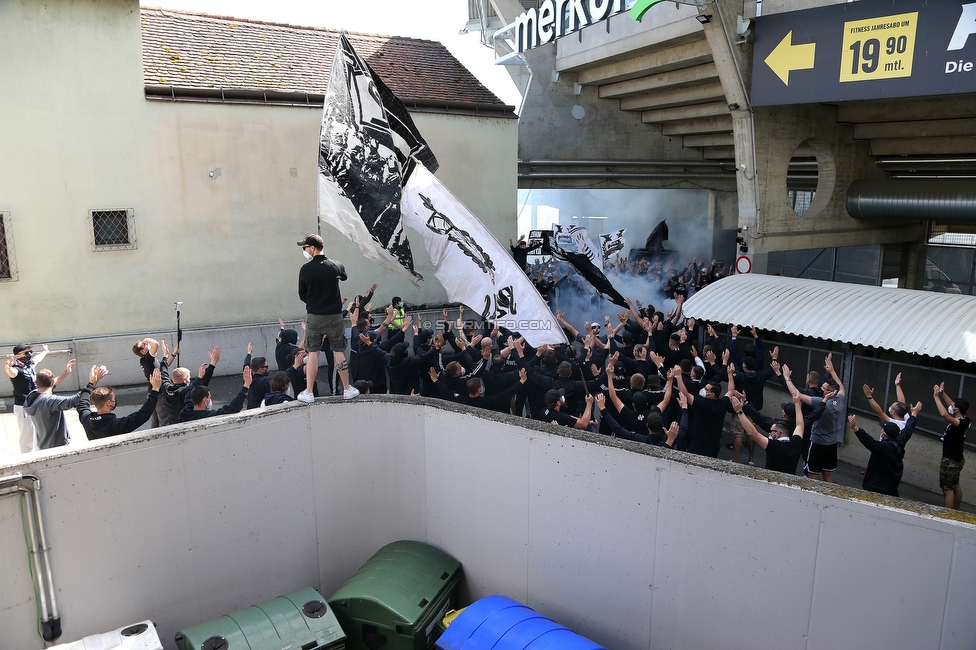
737,429
331,325
949,471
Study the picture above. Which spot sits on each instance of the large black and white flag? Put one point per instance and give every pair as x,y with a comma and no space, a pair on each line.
575,239
367,146
572,245
473,266
612,242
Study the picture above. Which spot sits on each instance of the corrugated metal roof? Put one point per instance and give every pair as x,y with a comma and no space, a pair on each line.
921,322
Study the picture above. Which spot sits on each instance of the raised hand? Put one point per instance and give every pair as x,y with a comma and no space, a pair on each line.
736,402
96,373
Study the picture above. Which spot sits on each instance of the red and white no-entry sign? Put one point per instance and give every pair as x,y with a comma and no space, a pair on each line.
743,264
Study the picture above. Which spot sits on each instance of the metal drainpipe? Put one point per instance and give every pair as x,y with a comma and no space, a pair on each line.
43,581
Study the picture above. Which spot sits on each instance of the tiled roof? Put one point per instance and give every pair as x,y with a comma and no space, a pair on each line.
204,53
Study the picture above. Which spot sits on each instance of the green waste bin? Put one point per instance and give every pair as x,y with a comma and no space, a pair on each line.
396,599
299,620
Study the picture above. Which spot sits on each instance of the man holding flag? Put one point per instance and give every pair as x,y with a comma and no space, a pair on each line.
318,287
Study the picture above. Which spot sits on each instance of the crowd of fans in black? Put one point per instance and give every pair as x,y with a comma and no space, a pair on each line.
640,376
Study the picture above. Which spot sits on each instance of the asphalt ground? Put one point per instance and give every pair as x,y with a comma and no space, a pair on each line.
223,389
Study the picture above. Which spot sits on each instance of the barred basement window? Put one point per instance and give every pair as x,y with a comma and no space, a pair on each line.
113,230
8,268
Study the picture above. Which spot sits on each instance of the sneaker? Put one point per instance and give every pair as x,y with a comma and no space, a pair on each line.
350,392
752,463
305,397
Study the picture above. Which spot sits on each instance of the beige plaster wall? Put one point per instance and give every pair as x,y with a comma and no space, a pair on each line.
79,134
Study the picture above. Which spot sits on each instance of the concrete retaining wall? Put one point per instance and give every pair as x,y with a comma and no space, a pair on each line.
631,546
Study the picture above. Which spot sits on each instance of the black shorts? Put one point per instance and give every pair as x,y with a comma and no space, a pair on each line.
821,458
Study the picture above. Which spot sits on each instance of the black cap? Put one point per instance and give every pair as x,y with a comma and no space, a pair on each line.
891,430
789,409
21,347
363,385
554,396
313,240
641,401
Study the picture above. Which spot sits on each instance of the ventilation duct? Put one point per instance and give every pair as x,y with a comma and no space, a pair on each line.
912,200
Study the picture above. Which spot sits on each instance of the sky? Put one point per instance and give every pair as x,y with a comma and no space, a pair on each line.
437,20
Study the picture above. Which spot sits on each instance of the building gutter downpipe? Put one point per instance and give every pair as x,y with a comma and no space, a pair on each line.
28,487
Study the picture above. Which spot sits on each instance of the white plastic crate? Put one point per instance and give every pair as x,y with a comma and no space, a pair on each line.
139,636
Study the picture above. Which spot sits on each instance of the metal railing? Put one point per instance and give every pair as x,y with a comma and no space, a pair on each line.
916,380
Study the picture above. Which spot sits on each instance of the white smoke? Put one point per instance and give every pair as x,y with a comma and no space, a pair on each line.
608,210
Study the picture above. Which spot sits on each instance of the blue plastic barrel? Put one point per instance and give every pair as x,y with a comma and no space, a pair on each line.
500,623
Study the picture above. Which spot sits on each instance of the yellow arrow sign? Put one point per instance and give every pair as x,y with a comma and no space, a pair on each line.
786,57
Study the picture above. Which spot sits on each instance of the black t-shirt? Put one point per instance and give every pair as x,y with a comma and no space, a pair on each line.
782,455
709,418
636,420
954,438
23,383
148,363
549,415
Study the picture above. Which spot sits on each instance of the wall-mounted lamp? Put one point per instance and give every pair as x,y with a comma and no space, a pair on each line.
742,26
704,18
555,76
733,106
577,88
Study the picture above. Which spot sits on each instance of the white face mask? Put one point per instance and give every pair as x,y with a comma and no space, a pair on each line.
952,410
307,255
